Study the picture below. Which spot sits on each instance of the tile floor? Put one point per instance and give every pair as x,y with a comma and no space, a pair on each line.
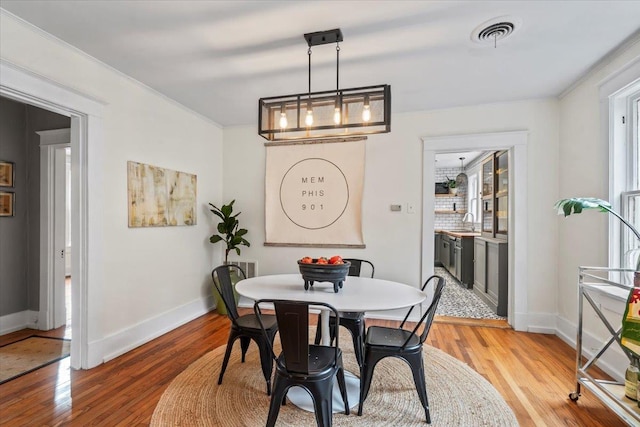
457,301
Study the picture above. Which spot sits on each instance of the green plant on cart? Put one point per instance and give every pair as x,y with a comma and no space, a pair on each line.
630,335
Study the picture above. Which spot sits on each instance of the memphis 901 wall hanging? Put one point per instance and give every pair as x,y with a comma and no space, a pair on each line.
313,193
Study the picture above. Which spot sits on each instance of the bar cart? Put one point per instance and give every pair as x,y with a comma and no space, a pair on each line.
593,280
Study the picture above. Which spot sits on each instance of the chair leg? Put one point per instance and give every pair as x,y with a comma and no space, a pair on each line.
358,346
279,393
417,368
227,354
244,344
266,362
366,374
323,402
343,390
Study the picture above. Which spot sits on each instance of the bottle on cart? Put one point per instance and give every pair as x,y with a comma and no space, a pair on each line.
631,380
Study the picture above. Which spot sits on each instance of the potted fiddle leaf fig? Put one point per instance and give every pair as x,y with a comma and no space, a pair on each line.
229,230
232,235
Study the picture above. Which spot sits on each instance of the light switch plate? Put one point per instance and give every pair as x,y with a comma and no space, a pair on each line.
411,209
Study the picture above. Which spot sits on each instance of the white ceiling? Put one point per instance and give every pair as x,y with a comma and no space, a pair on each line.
219,57
452,160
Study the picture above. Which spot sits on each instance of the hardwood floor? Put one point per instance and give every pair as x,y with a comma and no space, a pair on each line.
533,372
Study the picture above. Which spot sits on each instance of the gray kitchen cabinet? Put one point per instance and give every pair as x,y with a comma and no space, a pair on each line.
464,261
480,266
437,246
445,251
452,255
490,280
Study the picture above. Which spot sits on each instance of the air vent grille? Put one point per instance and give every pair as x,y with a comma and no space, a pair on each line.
495,30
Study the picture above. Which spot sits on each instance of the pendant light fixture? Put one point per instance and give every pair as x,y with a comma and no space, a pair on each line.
462,177
327,114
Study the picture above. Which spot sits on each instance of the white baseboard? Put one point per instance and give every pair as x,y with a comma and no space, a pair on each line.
123,341
541,323
17,321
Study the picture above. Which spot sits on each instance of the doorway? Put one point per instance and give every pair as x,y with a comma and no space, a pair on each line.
458,221
516,144
86,115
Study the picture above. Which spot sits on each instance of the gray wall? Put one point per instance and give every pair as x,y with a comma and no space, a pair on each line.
20,235
13,242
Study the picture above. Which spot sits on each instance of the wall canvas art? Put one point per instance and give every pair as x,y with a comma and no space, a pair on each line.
313,194
160,197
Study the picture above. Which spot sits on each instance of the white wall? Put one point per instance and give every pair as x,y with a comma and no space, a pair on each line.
394,174
148,272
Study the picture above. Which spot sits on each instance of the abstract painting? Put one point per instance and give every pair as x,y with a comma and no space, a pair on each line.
160,197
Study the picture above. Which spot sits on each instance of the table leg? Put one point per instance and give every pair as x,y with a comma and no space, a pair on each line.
324,323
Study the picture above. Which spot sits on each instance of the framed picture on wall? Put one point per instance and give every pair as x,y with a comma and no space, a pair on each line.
7,203
7,174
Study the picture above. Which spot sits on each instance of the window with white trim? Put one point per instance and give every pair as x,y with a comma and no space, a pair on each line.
473,204
625,166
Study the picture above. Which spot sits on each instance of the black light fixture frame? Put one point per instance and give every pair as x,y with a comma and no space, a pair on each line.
270,108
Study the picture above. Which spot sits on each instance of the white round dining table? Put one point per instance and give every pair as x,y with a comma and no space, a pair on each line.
357,294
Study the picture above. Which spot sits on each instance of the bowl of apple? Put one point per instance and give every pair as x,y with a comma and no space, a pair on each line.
333,270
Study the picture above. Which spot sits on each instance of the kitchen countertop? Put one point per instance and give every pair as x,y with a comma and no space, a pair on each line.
459,233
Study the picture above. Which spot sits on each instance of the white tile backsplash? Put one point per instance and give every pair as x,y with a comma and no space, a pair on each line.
449,221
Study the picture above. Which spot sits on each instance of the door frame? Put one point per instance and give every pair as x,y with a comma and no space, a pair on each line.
23,85
516,143
50,142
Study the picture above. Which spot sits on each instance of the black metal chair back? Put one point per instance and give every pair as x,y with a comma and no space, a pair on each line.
293,326
384,342
427,317
222,281
246,328
309,366
356,266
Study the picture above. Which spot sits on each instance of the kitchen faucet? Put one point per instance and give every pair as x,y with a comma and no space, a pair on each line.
466,218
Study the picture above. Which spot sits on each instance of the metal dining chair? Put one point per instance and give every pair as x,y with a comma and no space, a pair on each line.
312,367
405,344
245,327
352,320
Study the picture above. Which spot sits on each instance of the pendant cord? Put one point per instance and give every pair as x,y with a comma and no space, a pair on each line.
337,67
309,53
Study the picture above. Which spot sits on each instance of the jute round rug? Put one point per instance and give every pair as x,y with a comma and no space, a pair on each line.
458,396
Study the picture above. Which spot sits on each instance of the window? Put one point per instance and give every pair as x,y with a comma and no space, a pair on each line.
473,204
624,164
630,199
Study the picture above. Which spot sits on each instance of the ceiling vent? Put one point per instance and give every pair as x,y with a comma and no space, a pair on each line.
496,29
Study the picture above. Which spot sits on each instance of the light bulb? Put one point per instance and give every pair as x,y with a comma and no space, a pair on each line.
283,120
337,116
308,120
366,114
